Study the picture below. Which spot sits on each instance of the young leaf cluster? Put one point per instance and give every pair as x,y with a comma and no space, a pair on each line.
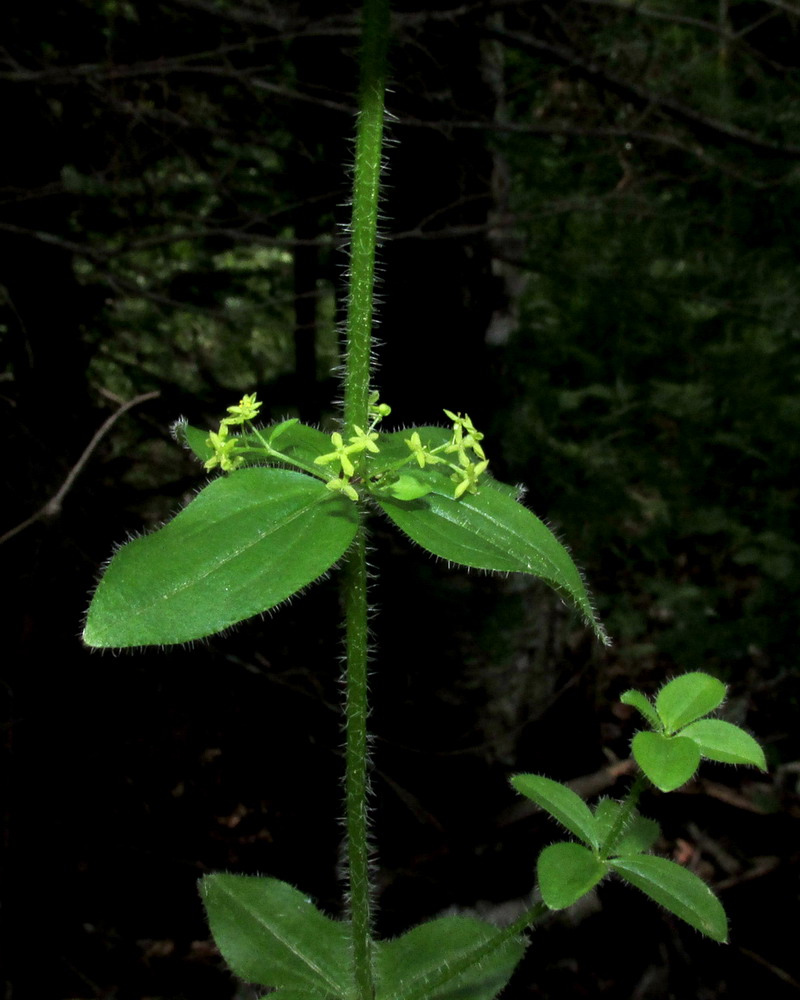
680,735
614,837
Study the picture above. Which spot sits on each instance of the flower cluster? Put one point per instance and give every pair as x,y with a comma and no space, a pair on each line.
466,438
463,454
360,441
225,446
423,455
246,409
467,472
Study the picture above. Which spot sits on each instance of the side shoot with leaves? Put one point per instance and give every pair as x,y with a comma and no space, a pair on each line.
615,837
290,504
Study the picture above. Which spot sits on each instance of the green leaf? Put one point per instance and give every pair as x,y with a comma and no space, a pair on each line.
407,486
643,705
193,438
677,889
407,963
639,835
302,442
293,439
292,995
492,531
723,741
686,698
562,803
280,429
244,544
394,452
395,455
566,872
668,761
271,934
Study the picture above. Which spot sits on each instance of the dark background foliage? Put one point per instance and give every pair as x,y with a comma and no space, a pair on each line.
590,245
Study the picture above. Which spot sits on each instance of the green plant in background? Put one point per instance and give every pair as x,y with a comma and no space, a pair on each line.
293,502
614,837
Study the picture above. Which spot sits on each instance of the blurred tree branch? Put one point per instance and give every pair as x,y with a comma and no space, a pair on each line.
53,506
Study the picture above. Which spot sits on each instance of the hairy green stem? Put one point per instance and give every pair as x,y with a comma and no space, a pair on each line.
357,709
363,237
434,983
273,453
364,224
623,816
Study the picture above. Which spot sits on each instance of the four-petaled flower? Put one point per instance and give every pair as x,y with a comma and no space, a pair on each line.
420,452
467,477
363,440
223,450
342,486
462,441
246,409
341,454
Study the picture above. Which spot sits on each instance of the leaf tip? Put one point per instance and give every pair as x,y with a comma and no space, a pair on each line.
178,431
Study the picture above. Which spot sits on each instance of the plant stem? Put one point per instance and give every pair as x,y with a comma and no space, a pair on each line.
433,984
364,224
623,816
272,453
364,228
356,710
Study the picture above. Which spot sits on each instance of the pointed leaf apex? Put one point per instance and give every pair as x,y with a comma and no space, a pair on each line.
643,705
723,741
562,803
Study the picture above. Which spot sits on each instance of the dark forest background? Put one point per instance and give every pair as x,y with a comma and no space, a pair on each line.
592,246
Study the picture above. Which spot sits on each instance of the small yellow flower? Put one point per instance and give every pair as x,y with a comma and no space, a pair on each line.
461,441
223,450
246,409
341,454
466,478
420,452
341,486
364,441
